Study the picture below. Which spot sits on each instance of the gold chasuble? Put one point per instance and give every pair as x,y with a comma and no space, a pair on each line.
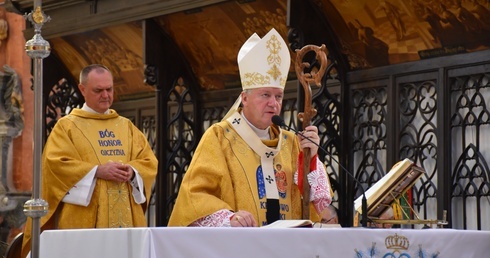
78,142
229,176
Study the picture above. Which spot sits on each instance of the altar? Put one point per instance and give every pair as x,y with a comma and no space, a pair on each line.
263,242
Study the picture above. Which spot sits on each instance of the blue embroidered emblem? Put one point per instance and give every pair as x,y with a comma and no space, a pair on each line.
260,182
397,246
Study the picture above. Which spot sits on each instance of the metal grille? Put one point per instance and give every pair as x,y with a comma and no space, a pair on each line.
418,141
62,99
369,135
470,133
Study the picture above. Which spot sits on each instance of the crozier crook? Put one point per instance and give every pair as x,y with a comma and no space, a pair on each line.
306,79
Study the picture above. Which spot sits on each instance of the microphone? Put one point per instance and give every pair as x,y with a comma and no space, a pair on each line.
277,120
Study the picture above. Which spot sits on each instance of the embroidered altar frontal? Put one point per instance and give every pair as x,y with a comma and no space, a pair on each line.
265,242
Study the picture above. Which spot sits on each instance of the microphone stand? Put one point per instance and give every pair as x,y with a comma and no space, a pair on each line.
277,120
364,207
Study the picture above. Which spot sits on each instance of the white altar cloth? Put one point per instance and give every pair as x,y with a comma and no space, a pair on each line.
263,242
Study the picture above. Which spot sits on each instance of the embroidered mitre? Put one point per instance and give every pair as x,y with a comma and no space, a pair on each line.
262,62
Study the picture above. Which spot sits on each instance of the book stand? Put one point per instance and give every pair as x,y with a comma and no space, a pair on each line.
388,191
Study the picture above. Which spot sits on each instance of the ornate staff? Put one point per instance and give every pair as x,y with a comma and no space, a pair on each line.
37,48
306,79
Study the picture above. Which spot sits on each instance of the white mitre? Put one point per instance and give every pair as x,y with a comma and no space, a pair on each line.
262,62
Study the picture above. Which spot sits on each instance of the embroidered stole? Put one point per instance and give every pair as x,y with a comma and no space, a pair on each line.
267,155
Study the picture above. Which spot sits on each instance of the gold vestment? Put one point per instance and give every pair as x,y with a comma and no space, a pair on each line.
223,175
77,143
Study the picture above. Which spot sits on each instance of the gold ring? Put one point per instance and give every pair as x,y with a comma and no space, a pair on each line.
237,217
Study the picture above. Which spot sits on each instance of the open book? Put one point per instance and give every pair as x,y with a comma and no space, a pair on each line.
290,223
299,223
396,182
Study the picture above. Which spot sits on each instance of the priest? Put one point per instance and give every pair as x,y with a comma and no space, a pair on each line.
98,169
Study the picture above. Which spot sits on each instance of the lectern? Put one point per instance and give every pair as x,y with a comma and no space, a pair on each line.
387,192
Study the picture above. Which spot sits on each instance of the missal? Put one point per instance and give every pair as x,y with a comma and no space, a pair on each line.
390,187
290,223
299,223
